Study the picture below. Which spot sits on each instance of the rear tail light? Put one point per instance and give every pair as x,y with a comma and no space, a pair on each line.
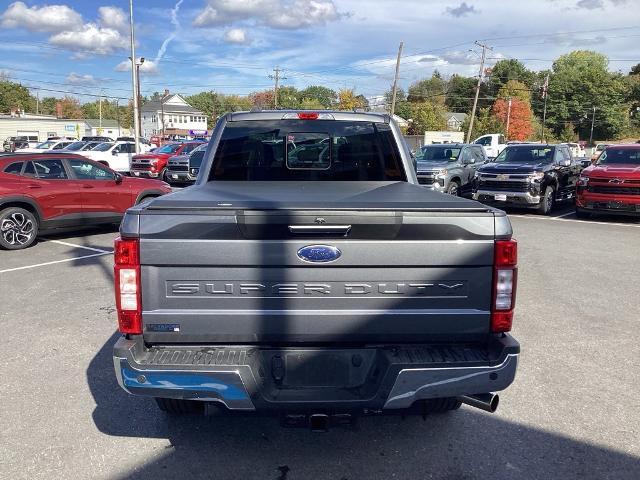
505,278
127,285
308,116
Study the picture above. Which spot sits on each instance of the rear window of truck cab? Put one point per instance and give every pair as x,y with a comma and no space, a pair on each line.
307,150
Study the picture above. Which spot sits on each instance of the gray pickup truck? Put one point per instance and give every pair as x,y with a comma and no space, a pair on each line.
449,167
307,274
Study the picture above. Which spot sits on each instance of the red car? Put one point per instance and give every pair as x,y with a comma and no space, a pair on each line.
154,164
46,191
612,184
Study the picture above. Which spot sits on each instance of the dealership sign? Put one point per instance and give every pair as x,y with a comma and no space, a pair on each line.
198,132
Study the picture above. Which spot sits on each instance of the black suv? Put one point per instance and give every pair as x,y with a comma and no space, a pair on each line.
528,175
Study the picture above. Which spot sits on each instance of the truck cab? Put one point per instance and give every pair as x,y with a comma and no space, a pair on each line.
493,143
449,168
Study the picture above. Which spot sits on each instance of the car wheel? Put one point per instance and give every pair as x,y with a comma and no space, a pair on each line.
175,406
454,188
163,176
18,228
547,201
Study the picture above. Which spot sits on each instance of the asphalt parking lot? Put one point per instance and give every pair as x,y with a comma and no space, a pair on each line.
573,412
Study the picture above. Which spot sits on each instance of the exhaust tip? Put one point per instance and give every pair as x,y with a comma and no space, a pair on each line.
484,401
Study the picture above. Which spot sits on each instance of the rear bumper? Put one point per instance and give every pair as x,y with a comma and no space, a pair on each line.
330,379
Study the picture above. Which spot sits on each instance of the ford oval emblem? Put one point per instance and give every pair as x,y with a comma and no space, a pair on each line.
319,253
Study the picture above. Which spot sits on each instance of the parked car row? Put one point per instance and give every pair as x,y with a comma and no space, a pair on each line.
43,191
536,176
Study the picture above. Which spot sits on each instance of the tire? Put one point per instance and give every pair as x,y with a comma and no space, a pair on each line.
453,188
547,202
148,197
174,406
163,175
18,228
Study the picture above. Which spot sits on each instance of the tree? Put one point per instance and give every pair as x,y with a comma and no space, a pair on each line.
323,95
48,106
520,126
288,97
568,133
432,90
348,100
263,99
109,110
207,102
460,92
506,70
311,104
15,96
484,123
70,107
425,116
515,89
580,80
635,70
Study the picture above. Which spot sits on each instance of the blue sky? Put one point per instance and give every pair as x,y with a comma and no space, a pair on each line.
231,46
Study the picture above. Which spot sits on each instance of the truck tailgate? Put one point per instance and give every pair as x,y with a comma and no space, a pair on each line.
231,272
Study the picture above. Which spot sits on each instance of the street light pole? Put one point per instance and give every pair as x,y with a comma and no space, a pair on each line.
138,65
134,81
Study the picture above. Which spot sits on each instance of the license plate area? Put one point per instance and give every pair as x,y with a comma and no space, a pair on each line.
311,369
500,197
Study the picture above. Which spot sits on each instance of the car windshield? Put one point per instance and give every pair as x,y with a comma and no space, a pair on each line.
438,154
90,145
300,150
526,154
46,145
75,146
195,160
169,148
618,156
103,147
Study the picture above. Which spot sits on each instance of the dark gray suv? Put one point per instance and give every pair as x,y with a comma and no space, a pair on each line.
449,167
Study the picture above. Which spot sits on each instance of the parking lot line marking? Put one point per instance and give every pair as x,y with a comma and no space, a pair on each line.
564,215
54,262
79,246
575,220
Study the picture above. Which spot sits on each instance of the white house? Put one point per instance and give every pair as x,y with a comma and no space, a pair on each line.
455,120
178,116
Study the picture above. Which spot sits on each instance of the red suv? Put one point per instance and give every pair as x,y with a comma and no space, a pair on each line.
154,164
46,191
612,184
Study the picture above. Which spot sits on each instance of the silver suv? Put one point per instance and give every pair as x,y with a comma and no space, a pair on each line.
449,167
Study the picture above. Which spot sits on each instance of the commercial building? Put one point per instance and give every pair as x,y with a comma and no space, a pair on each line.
46,126
178,117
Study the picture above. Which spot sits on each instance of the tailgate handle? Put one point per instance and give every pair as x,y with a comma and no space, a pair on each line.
342,230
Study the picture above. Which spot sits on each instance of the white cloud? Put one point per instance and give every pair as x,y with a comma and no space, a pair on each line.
281,14
114,18
78,79
106,35
236,35
91,38
149,67
47,18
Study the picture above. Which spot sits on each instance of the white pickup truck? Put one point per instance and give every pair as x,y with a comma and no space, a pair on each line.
493,143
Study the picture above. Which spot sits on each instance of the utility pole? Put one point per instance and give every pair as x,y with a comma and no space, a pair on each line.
134,81
475,100
593,121
37,102
508,117
395,81
100,112
162,112
138,65
545,94
277,79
